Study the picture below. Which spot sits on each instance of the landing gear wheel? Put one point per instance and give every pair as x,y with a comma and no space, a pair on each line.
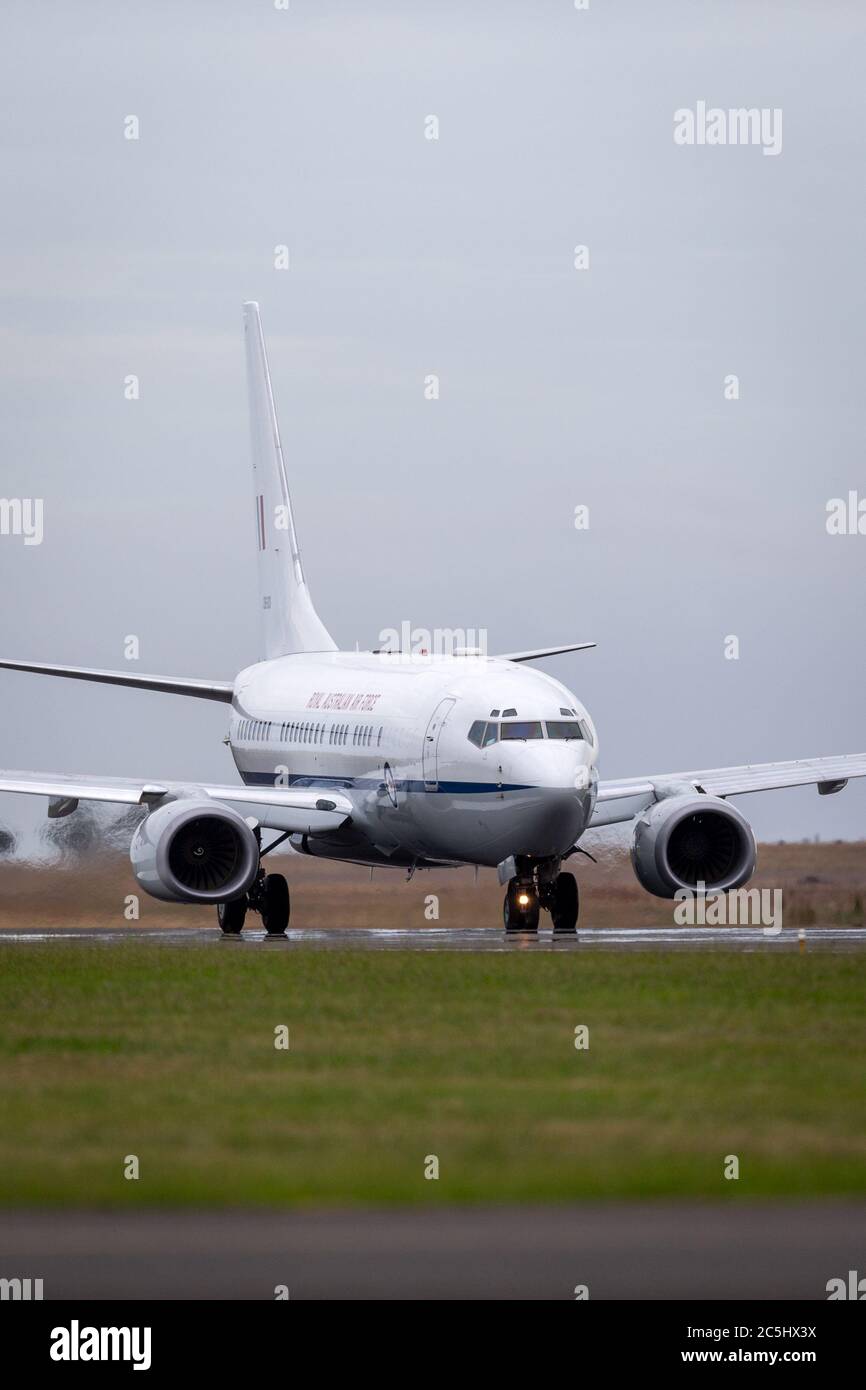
275,904
564,905
521,907
231,916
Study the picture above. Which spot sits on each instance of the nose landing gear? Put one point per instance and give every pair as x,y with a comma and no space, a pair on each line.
564,905
521,907
539,886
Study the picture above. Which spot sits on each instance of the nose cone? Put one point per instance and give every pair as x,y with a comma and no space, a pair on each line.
564,767
552,821
556,800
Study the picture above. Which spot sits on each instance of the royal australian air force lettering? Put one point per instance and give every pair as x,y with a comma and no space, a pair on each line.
426,748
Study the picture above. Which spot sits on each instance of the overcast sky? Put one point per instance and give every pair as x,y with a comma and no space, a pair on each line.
559,387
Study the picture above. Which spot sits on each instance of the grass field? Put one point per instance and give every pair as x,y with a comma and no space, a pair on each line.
169,1054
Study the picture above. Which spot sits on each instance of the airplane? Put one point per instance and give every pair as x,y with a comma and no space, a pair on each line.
405,759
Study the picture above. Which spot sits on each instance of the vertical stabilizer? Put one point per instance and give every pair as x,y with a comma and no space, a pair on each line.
289,621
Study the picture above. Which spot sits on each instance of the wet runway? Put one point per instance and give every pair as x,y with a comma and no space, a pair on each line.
654,938
637,1250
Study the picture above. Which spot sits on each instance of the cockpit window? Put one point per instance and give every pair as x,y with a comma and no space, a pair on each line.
491,734
564,728
476,733
523,729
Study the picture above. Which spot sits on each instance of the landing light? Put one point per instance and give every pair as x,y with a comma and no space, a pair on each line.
523,899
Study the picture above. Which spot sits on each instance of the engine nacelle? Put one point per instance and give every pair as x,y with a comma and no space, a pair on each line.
685,840
194,851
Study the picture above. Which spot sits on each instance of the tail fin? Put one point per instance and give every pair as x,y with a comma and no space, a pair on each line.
290,623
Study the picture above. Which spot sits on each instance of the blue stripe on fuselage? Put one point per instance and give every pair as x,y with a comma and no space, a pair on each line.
296,779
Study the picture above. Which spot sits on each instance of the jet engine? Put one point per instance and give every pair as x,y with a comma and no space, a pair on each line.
685,840
194,851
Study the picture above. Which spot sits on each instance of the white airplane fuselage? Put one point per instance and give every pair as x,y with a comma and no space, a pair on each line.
390,731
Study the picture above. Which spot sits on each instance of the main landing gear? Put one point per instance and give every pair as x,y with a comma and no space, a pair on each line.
538,886
269,896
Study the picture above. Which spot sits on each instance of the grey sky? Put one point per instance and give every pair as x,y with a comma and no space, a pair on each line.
409,257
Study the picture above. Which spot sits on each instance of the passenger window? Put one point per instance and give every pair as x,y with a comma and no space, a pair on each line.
523,729
564,728
491,734
476,732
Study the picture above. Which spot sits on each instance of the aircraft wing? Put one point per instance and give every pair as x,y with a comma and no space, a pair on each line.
169,685
537,652
300,809
622,800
